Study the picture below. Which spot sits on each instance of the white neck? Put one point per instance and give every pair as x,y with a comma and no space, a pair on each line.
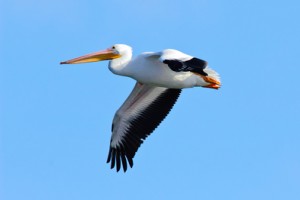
119,66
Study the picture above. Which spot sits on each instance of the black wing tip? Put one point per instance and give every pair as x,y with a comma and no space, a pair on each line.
119,159
122,155
193,65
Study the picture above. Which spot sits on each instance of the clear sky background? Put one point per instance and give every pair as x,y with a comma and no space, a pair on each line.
240,142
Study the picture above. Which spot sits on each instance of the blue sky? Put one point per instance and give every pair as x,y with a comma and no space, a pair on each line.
241,142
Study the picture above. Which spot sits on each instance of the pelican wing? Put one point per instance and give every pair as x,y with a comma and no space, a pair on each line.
137,118
195,65
180,62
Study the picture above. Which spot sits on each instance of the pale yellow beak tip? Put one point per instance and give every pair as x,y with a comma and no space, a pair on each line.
93,57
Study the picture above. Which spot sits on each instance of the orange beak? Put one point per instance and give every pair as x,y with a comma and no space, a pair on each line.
108,54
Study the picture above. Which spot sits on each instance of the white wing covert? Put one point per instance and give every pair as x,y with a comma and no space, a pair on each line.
137,118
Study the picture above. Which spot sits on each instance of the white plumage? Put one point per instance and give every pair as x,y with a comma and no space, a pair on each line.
160,77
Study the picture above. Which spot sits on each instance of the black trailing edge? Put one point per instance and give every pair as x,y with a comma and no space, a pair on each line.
141,127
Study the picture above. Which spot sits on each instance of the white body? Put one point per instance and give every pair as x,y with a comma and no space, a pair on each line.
148,68
155,93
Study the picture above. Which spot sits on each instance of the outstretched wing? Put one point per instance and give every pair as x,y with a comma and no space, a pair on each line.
137,118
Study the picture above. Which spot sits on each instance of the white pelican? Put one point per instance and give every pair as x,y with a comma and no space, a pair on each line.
160,77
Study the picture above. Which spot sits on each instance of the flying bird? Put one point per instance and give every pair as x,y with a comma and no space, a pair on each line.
160,77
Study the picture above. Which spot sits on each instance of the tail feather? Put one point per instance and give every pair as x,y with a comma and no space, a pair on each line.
212,73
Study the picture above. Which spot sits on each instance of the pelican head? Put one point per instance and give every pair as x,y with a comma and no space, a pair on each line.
113,52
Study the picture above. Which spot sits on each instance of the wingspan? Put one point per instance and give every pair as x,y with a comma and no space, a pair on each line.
137,118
